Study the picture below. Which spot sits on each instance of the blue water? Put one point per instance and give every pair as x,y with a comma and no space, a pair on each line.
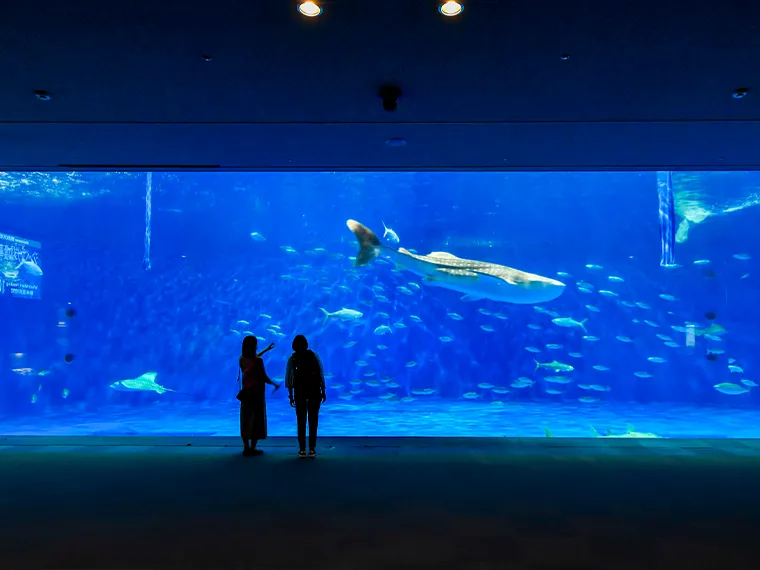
273,250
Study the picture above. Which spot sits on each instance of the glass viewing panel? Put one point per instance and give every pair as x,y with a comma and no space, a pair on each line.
480,304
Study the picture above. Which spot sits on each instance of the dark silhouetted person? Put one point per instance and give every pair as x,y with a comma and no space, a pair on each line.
305,381
253,404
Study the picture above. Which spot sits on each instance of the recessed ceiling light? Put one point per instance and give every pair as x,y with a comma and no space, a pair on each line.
741,93
450,8
309,9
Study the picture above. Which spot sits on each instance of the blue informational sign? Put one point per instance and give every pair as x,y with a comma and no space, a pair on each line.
20,267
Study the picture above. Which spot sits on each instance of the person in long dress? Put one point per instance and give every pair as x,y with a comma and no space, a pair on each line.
253,404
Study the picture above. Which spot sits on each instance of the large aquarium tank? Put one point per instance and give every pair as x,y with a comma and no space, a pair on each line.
441,304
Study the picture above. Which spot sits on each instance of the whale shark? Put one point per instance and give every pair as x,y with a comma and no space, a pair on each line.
476,279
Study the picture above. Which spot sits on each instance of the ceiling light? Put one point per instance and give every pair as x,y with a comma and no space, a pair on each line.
309,9
450,8
741,93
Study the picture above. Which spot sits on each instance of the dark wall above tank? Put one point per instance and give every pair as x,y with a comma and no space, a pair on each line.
254,85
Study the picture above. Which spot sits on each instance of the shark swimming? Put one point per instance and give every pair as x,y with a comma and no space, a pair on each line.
476,279
629,434
144,383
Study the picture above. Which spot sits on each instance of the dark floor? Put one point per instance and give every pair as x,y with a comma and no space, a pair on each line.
380,503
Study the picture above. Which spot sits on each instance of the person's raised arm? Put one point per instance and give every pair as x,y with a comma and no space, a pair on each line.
267,349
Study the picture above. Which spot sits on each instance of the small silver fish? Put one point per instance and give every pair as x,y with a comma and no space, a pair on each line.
390,235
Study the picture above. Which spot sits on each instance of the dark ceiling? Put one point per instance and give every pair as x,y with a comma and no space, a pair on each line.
647,84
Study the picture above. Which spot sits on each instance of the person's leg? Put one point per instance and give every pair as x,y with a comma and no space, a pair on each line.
258,428
301,411
314,403
244,429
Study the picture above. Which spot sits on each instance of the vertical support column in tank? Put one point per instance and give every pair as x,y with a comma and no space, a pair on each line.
148,198
667,218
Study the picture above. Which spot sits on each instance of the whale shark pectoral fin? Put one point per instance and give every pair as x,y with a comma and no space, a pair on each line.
682,234
508,279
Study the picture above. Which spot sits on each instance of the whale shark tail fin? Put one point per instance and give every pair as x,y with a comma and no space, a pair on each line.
368,242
